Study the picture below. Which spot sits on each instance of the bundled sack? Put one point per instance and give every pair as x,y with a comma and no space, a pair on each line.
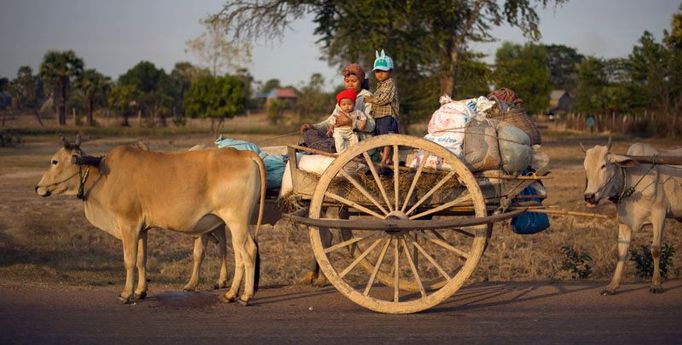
451,116
489,145
481,150
274,164
509,108
516,152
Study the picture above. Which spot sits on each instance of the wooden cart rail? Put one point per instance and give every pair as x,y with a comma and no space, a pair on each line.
668,160
398,224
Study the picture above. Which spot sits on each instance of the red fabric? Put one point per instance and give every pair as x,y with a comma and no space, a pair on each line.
347,93
506,95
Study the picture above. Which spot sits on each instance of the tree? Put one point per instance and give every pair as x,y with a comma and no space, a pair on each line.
269,85
25,90
59,70
216,98
94,86
182,77
313,102
154,87
216,52
123,99
524,69
563,62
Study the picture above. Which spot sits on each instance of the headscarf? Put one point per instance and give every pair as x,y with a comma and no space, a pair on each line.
346,93
355,70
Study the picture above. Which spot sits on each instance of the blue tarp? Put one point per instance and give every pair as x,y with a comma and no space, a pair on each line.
274,164
530,222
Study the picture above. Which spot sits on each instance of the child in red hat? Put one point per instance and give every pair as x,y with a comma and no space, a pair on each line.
344,136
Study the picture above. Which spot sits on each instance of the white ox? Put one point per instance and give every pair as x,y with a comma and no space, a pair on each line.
131,190
643,193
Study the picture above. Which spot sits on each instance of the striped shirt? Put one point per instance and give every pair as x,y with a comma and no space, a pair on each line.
386,100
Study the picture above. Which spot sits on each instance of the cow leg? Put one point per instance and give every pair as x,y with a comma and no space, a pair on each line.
243,243
141,291
197,257
313,276
219,234
624,237
130,238
657,222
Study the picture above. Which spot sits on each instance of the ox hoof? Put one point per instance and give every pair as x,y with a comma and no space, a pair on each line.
656,289
125,300
244,303
190,288
608,292
321,281
227,299
141,295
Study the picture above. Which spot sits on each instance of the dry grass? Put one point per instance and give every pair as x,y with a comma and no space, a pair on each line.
48,240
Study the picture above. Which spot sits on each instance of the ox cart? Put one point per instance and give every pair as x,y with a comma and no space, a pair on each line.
402,237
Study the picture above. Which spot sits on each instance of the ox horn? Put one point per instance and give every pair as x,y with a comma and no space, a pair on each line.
64,141
582,147
608,145
78,140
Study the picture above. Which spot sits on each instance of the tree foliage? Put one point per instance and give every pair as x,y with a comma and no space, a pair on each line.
155,89
26,90
427,39
59,70
563,62
524,69
123,100
216,97
94,86
313,102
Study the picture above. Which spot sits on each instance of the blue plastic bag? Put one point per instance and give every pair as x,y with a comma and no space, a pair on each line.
530,222
274,164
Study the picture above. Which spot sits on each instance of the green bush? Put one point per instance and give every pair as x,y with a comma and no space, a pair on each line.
644,261
576,262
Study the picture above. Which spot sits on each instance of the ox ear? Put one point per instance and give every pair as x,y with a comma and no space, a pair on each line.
623,161
582,148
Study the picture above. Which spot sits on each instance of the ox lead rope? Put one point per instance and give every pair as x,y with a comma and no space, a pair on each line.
627,191
82,177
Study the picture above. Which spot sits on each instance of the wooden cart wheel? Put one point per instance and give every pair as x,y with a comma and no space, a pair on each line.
403,271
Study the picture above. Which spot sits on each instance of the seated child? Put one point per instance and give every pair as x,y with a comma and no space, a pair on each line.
344,137
385,104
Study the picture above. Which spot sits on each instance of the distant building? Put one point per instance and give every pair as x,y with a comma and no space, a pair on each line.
560,102
280,94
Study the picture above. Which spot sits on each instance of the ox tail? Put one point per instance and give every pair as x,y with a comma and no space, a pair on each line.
256,279
263,186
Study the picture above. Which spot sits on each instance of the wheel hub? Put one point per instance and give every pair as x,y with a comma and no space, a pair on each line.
397,215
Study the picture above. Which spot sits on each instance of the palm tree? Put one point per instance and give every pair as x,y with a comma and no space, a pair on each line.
94,86
59,70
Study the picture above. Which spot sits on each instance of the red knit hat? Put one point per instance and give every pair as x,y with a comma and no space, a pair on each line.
347,93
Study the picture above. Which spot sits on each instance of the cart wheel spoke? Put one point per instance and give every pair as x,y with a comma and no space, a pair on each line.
431,191
377,180
380,260
396,269
352,204
413,268
359,258
396,176
431,260
464,255
364,191
349,242
459,200
415,180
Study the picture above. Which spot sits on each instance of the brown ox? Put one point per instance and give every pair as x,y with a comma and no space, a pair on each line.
130,191
643,193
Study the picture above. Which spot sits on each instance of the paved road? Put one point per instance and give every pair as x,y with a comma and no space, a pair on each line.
505,313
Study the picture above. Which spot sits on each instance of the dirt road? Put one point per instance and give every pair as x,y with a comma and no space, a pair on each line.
517,313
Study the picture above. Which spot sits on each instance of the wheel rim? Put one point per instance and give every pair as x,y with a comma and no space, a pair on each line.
420,268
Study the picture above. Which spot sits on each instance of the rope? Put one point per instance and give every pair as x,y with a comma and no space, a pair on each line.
265,140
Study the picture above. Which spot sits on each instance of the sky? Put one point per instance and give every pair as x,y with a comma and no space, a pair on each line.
113,36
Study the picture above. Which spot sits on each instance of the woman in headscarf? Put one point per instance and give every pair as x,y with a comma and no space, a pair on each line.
315,135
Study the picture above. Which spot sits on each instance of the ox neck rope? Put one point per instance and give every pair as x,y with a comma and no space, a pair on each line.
82,177
627,191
